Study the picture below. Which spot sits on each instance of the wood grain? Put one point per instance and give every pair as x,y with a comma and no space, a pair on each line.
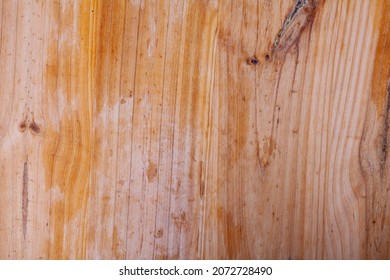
195,129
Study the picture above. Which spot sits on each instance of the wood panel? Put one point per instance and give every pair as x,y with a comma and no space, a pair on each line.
194,129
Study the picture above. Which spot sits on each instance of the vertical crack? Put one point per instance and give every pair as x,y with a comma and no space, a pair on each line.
25,197
386,125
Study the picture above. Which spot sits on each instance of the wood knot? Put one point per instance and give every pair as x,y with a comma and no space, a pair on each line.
22,126
34,128
253,60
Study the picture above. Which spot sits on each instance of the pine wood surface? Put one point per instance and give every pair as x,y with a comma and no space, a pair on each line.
181,129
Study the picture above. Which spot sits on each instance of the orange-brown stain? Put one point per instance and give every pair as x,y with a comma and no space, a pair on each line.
232,232
159,233
233,236
116,252
67,151
161,257
180,220
106,41
219,213
151,172
194,92
267,150
381,76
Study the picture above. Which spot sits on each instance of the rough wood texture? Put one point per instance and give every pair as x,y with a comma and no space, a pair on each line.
195,129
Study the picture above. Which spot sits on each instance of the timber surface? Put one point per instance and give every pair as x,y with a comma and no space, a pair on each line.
195,129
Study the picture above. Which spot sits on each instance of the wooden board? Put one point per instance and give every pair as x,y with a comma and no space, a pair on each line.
195,129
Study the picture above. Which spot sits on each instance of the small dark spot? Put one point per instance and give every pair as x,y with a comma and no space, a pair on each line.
253,60
373,221
267,57
159,233
22,126
34,127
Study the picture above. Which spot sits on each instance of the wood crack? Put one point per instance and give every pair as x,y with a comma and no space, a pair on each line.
298,19
25,197
385,141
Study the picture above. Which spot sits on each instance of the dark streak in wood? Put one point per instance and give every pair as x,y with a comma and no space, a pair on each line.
25,197
201,181
385,140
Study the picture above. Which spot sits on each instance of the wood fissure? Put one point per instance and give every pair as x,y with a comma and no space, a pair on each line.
25,197
297,21
385,134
